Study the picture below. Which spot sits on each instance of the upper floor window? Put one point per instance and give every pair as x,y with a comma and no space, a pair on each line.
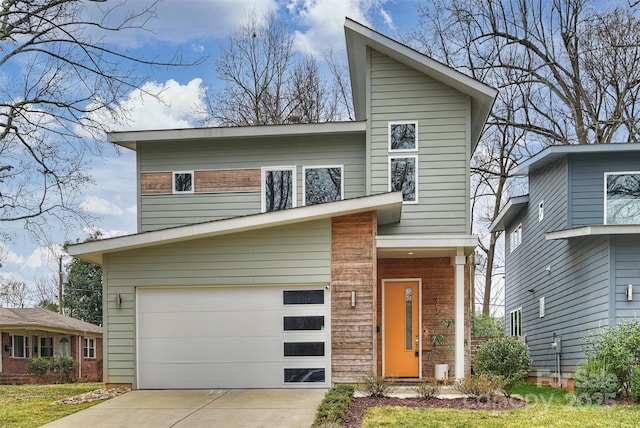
19,346
403,175
403,136
622,198
322,184
278,188
515,237
182,182
515,318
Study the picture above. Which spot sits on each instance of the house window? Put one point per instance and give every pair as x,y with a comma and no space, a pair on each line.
515,237
278,188
89,347
540,211
322,184
303,297
541,306
46,347
622,198
304,375
403,136
183,182
403,175
516,322
19,346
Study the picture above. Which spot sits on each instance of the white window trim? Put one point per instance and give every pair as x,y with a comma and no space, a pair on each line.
516,232
264,170
541,211
511,324
173,182
304,180
604,193
401,122
87,340
400,156
26,346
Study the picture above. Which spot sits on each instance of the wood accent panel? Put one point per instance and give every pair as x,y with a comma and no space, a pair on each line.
353,268
155,183
438,282
228,180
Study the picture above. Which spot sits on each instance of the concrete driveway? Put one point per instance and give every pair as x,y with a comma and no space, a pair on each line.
283,408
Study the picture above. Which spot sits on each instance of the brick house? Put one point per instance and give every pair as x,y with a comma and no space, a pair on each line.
36,332
301,255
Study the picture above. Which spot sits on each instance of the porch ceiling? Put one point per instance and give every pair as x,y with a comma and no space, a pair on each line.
419,246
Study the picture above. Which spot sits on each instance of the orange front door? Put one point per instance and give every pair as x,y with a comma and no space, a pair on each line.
401,329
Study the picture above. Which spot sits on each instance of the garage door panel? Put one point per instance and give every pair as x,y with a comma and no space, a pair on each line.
213,337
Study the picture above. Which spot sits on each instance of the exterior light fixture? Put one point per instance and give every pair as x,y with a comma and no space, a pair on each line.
629,292
353,299
118,301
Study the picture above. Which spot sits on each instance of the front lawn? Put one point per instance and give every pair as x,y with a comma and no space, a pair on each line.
549,407
23,406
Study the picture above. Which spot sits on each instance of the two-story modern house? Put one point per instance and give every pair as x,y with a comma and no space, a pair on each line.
572,250
303,254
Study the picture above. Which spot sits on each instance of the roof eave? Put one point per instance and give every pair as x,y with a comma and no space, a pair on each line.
513,207
387,205
594,230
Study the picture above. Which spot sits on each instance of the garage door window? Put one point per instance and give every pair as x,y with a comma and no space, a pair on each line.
303,297
297,323
304,349
304,375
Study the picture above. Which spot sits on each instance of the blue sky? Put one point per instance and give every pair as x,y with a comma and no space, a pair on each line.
198,27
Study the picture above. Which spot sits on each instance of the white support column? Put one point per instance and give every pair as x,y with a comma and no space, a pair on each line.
460,261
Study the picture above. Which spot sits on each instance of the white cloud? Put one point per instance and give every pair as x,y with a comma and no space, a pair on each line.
100,206
104,234
324,21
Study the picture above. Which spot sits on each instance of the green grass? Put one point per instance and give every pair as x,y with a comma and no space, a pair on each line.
549,407
25,406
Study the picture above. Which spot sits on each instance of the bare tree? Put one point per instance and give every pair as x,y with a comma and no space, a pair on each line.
567,73
265,84
13,294
46,293
57,74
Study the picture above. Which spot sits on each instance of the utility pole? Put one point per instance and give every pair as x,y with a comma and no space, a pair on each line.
60,284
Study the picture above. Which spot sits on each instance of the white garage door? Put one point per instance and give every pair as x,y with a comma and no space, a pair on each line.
233,337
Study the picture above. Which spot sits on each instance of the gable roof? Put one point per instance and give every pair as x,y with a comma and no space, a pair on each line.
44,319
553,153
359,37
387,205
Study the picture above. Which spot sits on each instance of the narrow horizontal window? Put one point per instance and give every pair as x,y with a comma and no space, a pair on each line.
304,349
303,323
303,297
304,375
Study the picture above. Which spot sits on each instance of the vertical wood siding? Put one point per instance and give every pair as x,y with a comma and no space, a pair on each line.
294,254
353,268
400,93
160,211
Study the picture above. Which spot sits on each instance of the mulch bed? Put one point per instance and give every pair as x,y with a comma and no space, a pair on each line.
360,405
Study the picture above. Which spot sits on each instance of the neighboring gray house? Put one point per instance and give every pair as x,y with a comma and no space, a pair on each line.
572,249
303,254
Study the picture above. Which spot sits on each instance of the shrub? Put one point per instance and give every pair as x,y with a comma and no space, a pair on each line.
635,383
65,368
482,386
618,348
334,408
486,326
594,383
427,388
39,366
375,386
507,357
